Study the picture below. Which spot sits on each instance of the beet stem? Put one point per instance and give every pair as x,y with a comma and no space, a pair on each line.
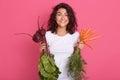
23,34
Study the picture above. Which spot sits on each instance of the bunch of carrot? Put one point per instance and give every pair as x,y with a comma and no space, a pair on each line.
76,62
86,35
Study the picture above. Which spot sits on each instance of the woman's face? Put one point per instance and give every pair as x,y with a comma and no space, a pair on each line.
62,18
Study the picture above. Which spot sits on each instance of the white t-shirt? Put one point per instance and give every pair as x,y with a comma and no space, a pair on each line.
62,47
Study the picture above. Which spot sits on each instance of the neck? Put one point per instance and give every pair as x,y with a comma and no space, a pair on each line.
61,31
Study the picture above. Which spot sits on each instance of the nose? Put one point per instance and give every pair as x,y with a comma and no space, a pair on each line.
63,17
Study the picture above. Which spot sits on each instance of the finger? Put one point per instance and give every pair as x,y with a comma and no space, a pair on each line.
43,48
43,44
40,42
81,42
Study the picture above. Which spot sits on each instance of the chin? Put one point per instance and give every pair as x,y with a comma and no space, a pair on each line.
64,25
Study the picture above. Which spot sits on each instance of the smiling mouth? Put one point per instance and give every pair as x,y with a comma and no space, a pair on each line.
63,21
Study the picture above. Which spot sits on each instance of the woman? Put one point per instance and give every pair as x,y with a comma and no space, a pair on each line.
62,37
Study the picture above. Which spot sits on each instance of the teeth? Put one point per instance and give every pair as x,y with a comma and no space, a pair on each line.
62,21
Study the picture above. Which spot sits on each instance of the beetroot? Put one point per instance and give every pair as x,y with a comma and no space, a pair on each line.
39,35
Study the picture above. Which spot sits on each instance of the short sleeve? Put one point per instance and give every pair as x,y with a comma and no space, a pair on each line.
76,36
48,37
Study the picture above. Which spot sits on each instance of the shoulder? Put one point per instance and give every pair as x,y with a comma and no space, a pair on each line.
48,33
75,37
76,34
48,36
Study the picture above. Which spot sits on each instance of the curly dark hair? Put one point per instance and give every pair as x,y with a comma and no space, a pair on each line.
72,25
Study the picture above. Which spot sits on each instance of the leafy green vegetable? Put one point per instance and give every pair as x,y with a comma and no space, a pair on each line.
47,67
76,65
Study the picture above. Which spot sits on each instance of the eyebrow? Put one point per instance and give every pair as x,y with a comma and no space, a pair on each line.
60,12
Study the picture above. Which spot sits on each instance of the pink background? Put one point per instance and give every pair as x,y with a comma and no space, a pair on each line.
19,54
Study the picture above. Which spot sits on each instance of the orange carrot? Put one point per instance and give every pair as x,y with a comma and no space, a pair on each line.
94,38
88,45
85,35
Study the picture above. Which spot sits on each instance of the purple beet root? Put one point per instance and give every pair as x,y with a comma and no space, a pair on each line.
39,35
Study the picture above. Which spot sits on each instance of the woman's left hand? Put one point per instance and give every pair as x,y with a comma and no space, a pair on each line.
80,44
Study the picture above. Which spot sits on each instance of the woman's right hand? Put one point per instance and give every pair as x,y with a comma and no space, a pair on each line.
42,46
